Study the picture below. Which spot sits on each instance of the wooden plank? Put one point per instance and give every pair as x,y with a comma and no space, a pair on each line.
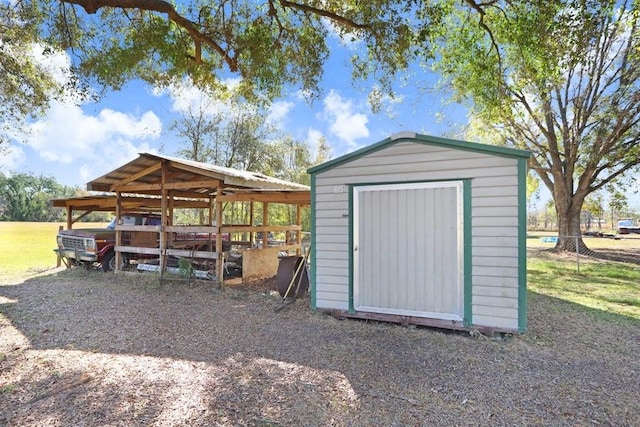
248,228
144,172
302,197
191,229
192,254
153,228
141,188
137,250
187,185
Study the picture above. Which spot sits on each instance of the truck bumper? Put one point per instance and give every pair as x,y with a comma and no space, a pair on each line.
75,255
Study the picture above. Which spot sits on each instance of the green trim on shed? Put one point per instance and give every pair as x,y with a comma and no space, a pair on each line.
422,139
467,213
312,248
522,245
352,308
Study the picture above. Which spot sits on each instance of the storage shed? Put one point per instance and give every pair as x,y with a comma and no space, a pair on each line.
422,230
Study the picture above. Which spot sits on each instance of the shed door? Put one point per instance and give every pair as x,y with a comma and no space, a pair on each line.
408,254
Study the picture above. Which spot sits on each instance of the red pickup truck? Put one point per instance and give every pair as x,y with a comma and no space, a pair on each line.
91,246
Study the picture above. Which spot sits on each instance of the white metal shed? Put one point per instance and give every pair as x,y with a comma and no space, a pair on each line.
423,230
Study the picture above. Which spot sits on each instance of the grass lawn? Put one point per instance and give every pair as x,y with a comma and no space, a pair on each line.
26,248
606,286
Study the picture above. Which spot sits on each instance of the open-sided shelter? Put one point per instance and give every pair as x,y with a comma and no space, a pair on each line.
162,184
423,230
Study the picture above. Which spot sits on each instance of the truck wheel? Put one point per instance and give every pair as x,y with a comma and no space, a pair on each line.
109,261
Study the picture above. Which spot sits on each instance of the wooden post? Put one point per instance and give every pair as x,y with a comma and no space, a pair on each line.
251,223
299,233
210,222
220,257
59,258
171,236
69,217
265,222
164,222
118,232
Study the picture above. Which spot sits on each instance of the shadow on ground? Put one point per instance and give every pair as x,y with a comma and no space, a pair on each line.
94,348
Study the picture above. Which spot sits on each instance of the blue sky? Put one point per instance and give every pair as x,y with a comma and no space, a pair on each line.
75,143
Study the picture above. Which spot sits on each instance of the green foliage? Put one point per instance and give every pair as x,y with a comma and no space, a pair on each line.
559,78
26,197
271,45
25,87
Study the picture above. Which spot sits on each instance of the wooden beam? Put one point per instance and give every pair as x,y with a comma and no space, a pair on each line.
136,176
137,250
79,217
139,188
248,228
302,197
189,185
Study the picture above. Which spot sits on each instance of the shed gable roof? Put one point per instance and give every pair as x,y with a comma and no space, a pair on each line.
421,139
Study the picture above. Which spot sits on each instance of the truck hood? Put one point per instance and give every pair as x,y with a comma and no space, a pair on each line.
98,233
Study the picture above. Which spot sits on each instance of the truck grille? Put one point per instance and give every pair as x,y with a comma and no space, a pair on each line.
73,243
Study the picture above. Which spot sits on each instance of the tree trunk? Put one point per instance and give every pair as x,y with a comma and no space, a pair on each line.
569,233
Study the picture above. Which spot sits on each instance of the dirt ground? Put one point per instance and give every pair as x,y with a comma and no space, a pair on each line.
100,349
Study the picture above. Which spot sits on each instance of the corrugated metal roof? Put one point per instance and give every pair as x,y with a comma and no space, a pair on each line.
147,170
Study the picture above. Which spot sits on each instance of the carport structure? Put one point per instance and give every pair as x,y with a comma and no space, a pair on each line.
158,183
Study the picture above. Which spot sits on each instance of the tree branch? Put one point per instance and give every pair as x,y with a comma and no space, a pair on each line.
321,12
163,7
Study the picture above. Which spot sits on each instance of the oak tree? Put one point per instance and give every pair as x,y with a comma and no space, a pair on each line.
560,78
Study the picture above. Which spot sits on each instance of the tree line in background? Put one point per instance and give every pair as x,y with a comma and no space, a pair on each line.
601,212
27,197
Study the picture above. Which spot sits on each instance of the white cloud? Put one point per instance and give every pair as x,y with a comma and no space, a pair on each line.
186,97
345,122
278,113
11,159
68,135
313,136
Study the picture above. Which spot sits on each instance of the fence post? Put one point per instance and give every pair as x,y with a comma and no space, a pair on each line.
59,258
578,253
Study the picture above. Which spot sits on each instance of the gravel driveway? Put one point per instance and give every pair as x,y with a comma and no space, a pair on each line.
89,348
